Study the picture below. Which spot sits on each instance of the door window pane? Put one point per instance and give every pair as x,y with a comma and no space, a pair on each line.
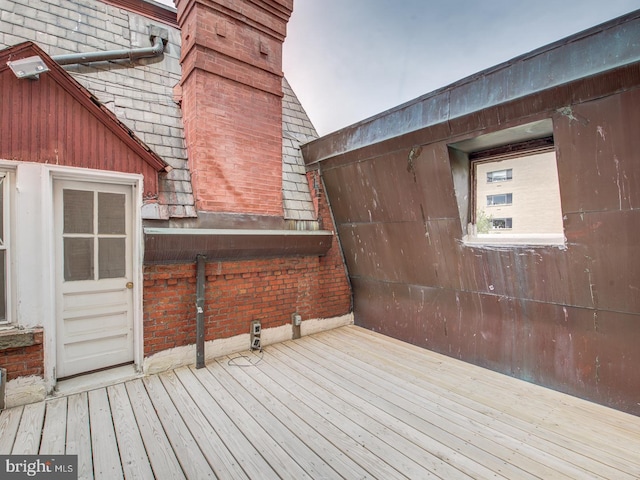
78,211
111,213
111,257
78,259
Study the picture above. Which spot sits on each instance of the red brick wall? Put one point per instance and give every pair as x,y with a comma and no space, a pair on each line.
237,292
24,361
234,139
231,101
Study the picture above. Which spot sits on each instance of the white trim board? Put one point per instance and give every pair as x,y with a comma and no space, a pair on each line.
34,254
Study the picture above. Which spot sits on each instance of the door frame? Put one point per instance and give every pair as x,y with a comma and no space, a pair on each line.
135,181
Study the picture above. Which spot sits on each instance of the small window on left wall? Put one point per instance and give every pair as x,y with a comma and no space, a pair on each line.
524,208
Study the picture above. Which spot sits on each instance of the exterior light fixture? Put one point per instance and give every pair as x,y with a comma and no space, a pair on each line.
30,67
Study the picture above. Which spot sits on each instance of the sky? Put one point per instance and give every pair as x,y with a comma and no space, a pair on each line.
348,60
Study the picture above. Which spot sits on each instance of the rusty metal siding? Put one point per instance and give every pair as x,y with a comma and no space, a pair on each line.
41,122
575,350
607,155
567,318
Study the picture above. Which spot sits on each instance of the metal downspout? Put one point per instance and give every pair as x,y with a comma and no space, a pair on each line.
200,277
159,36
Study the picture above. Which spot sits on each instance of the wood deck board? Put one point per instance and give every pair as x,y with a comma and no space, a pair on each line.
161,456
575,407
483,452
288,412
248,456
54,431
135,463
9,423
193,462
479,384
211,445
342,435
499,447
78,441
554,419
106,458
312,464
354,413
508,408
346,403
280,461
459,410
27,440
482,460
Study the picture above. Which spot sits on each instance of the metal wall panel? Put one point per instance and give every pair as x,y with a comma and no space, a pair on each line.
567,318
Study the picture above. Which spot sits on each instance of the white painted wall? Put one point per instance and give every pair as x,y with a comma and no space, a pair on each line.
33,251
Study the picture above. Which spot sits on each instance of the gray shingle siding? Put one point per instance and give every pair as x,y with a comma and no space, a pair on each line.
296,130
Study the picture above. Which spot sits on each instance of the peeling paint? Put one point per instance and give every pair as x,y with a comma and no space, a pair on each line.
413,154
591,284
603,136
617,162
568,112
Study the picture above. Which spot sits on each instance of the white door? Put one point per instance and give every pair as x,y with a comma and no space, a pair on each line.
94,275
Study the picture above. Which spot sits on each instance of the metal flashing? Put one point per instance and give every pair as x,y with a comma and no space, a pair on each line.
180,245
608,46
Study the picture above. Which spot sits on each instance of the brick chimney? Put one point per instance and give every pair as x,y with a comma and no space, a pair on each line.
232,102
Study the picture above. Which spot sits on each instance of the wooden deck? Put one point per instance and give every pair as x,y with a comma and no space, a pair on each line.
346,403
